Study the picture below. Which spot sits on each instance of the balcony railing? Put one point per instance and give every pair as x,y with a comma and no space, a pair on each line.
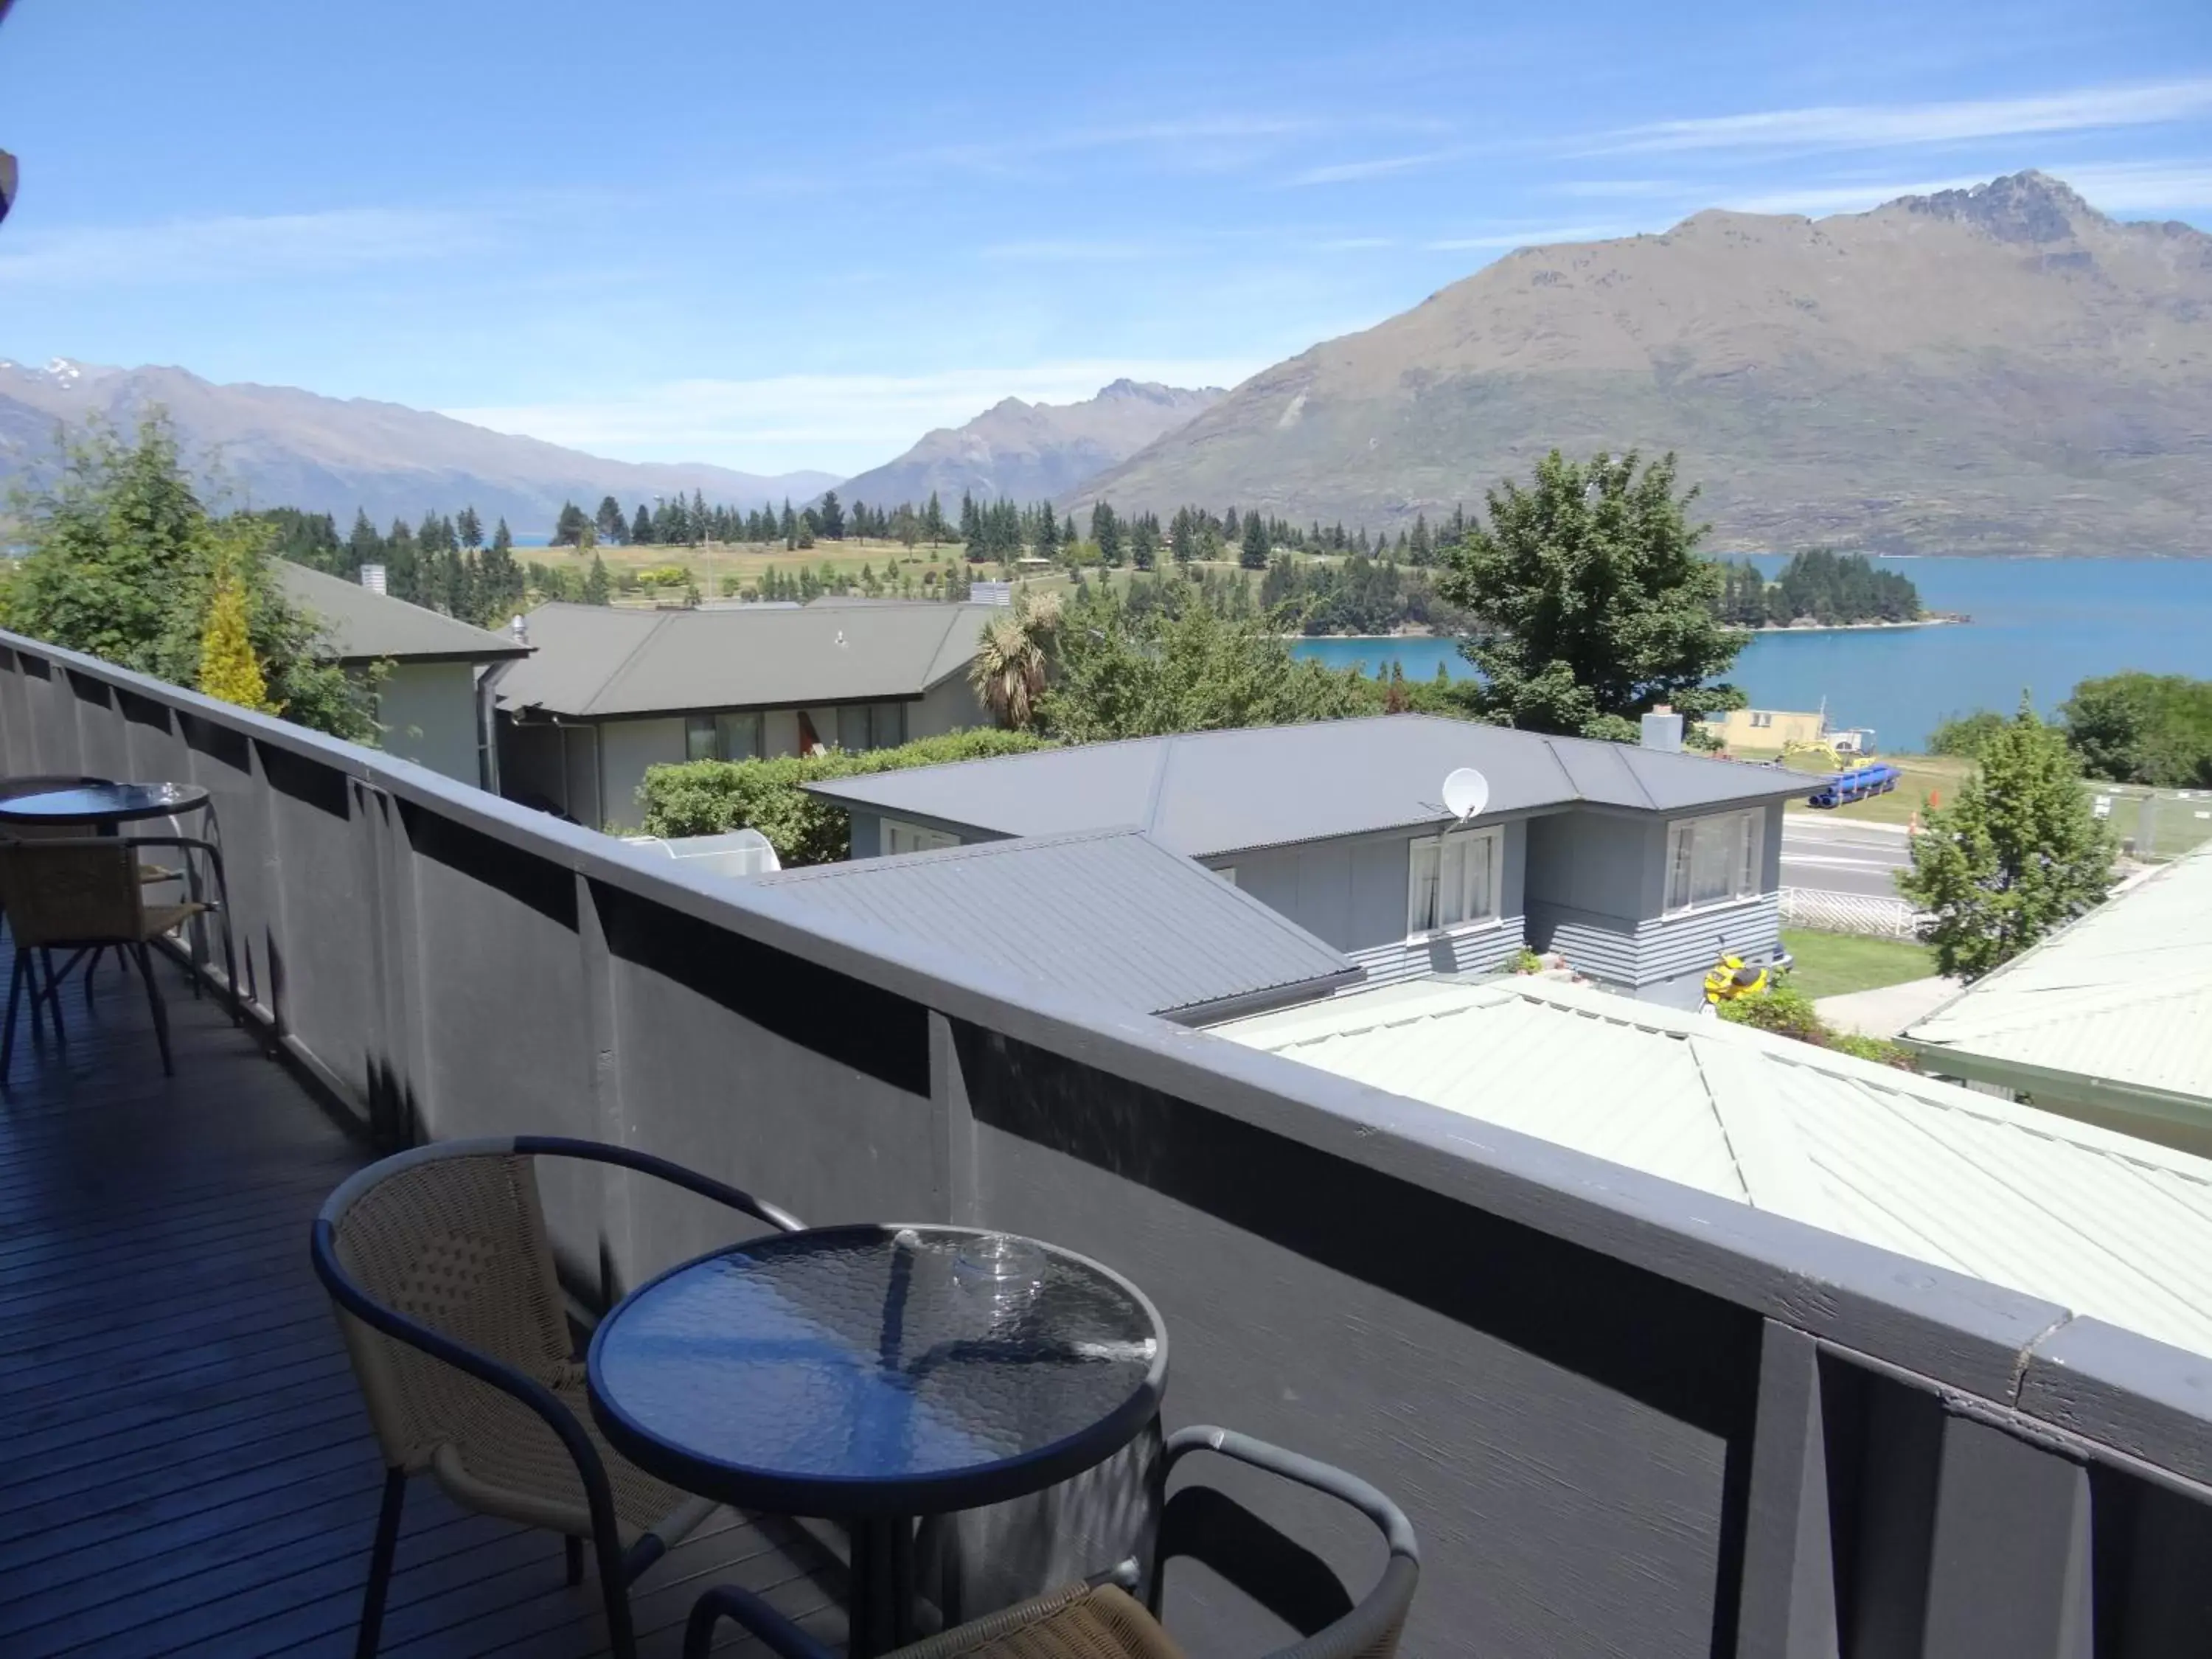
1626,1417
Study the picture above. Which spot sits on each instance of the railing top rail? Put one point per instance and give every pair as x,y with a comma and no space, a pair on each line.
2106,1384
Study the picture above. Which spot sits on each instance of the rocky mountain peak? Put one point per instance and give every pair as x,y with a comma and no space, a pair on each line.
2020,207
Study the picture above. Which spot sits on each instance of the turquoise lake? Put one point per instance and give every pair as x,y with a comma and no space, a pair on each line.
2038,625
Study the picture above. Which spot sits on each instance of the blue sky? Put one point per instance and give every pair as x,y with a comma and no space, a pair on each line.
784,236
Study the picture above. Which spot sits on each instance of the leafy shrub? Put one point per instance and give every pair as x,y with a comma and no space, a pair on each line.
1525,961
1965,735
1788,1012
709,798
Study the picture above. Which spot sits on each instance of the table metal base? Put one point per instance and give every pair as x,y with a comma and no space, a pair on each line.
881,1612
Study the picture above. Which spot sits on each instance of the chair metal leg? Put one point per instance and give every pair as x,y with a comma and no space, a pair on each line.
53,991
14,998
573,1549
614,1587
379,1564
153,1001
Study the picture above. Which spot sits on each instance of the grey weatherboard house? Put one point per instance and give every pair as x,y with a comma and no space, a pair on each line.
433,695
1637,863
608,692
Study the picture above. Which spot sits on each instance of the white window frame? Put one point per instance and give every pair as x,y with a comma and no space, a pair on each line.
1477,909
1744,832
917,838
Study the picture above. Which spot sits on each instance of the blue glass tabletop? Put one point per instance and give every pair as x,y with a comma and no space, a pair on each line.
853,1371
103,803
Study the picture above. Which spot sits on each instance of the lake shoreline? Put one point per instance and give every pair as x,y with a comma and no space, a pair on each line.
1772,628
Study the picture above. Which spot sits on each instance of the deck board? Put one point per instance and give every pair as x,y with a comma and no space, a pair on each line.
189,1467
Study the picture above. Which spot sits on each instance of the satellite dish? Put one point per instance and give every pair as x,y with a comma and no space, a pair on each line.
1467,792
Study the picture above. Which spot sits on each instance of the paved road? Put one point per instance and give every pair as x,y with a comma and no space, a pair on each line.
1839,856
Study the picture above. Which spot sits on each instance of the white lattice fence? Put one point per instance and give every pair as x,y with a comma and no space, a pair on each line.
1847,913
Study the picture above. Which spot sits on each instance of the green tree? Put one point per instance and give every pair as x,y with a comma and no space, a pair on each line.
1966,735
1590,602
597,589
124,563
501,591
1106,531
1177,663
470,528
568,528
640,528
1253,555
830,517
2142,728
2016,854
611,525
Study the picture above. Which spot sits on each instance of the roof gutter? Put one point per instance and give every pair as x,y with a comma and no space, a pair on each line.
1261,1002
2047,1086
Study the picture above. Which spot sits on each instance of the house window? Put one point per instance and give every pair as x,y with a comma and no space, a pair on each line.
870,725
738,737
1453,881
1713,860
722,736
1762,717
900,836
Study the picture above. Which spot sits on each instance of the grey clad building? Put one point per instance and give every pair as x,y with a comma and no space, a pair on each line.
434,672
608,692
1638,863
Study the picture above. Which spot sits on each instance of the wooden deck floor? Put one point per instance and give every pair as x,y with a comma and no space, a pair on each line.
185,1466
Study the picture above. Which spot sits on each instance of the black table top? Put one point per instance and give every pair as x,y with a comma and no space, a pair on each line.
869,1370
103,803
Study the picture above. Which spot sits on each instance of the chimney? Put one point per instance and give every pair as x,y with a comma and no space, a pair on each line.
1662,730
520,630
371,578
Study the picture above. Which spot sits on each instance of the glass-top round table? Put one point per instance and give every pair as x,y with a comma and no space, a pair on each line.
103,803
874,1374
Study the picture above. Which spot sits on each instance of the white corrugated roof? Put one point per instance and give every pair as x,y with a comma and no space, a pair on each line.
2102,1222
2124,996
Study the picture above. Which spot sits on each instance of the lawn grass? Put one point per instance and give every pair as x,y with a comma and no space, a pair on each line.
1832,964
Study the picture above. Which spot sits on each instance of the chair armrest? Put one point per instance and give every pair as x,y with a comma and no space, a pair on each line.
675,1174
1368,1627
776,1632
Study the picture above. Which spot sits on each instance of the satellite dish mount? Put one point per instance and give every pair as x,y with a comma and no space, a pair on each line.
1467,792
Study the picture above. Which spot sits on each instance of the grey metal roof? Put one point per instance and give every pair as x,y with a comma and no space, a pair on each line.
2106,1224
1109,915
365,626
599,659
2120,1003
1206,794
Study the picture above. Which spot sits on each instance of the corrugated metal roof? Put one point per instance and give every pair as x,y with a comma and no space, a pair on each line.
1110,915
2124,996
1212,792
596,660
362,626
2102,1223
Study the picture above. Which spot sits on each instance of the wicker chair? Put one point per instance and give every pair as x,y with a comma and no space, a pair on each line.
439,1262
1101,1620
81,896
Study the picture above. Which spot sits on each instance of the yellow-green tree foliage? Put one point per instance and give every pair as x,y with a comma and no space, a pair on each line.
229,668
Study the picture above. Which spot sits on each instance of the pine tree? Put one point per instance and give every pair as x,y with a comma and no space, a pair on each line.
229,668
472,529
830,516
597,589
640,528
569,527
1253,555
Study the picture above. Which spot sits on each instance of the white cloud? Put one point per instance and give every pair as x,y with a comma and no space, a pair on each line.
235,248
1341,173
1868,126
1813,200
1071,251
2141,186
1355,243
839,423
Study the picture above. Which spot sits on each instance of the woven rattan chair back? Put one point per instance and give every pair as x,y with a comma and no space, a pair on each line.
459,1244
71,892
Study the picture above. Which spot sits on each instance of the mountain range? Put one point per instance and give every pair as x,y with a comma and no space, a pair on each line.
1033,451
1999,369
278,445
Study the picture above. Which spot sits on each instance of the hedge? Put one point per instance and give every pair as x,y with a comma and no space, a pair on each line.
709,798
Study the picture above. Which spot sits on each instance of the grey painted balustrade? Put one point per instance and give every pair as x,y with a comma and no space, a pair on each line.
1627,1419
